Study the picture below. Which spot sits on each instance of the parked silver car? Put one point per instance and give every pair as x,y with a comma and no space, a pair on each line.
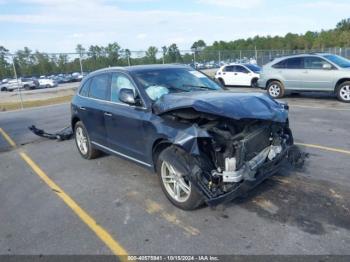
307,72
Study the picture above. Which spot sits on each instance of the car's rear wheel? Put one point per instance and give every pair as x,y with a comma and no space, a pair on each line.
222,82
47,86
83,142
275,89
343,92
4,89
175,185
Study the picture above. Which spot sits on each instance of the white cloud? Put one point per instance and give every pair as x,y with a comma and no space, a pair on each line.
327,5
98,22
244,4
141,36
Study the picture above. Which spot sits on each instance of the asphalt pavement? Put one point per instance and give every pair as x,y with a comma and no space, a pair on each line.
119,204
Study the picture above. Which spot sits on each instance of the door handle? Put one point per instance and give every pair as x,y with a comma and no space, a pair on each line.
107,114
235,74
82,108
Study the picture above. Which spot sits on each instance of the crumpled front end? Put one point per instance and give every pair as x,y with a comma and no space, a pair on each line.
226,157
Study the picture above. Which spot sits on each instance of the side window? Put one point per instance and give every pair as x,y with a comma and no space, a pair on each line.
281,64
84,90
295,63
99,87
241,69
229,69
118,82
313,62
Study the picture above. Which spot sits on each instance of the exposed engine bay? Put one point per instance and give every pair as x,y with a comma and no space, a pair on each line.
234,152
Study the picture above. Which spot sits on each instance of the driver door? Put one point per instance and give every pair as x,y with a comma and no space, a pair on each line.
317,76
242,75
125,123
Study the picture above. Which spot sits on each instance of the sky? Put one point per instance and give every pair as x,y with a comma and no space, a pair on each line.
59,25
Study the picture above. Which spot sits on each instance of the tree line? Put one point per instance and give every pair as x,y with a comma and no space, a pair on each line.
35,63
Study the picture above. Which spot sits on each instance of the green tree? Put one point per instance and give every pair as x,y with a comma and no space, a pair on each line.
151,55
198,45
173,53
5,66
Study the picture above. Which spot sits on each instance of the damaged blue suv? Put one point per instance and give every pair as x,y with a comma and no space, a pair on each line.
206,144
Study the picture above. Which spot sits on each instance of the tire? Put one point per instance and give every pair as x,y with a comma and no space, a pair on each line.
343,92
86,151
26,87
165,170
254,83
47,86
275,89
222,82
4,89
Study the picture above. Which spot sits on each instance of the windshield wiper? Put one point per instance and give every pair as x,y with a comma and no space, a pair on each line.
204,87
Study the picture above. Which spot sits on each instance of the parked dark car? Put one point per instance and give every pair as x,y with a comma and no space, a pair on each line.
207,144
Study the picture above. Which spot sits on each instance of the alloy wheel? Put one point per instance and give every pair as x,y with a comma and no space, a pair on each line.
81,140
274,90
344,92
174,183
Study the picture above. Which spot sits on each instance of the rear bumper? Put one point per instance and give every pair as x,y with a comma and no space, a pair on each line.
265,171
262,83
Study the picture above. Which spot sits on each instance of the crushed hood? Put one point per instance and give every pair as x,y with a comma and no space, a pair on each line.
224,103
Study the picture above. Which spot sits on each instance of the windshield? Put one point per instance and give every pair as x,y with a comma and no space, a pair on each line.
158,82
254,68
338,60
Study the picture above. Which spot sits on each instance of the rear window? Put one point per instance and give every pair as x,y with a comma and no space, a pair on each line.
290,63
281,64
84,90
99,87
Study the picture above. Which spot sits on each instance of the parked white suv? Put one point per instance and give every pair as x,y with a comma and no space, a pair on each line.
21,83
238,75
47,83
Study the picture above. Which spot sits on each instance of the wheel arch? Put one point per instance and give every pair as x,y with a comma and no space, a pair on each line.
158,146
75,120
272,80
340,81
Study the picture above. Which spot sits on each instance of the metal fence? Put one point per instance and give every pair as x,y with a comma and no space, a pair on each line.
47,64
64,65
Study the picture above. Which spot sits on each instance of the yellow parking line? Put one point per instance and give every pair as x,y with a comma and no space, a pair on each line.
114,246
325,148
7,138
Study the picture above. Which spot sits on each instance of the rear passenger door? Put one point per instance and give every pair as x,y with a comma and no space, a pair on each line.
293,73
316,77
92,109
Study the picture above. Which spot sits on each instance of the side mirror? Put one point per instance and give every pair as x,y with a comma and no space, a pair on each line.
127,96
326,66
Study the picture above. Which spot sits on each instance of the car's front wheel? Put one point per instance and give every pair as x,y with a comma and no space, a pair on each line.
175,184
254,83
343,92
275,89
83,142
